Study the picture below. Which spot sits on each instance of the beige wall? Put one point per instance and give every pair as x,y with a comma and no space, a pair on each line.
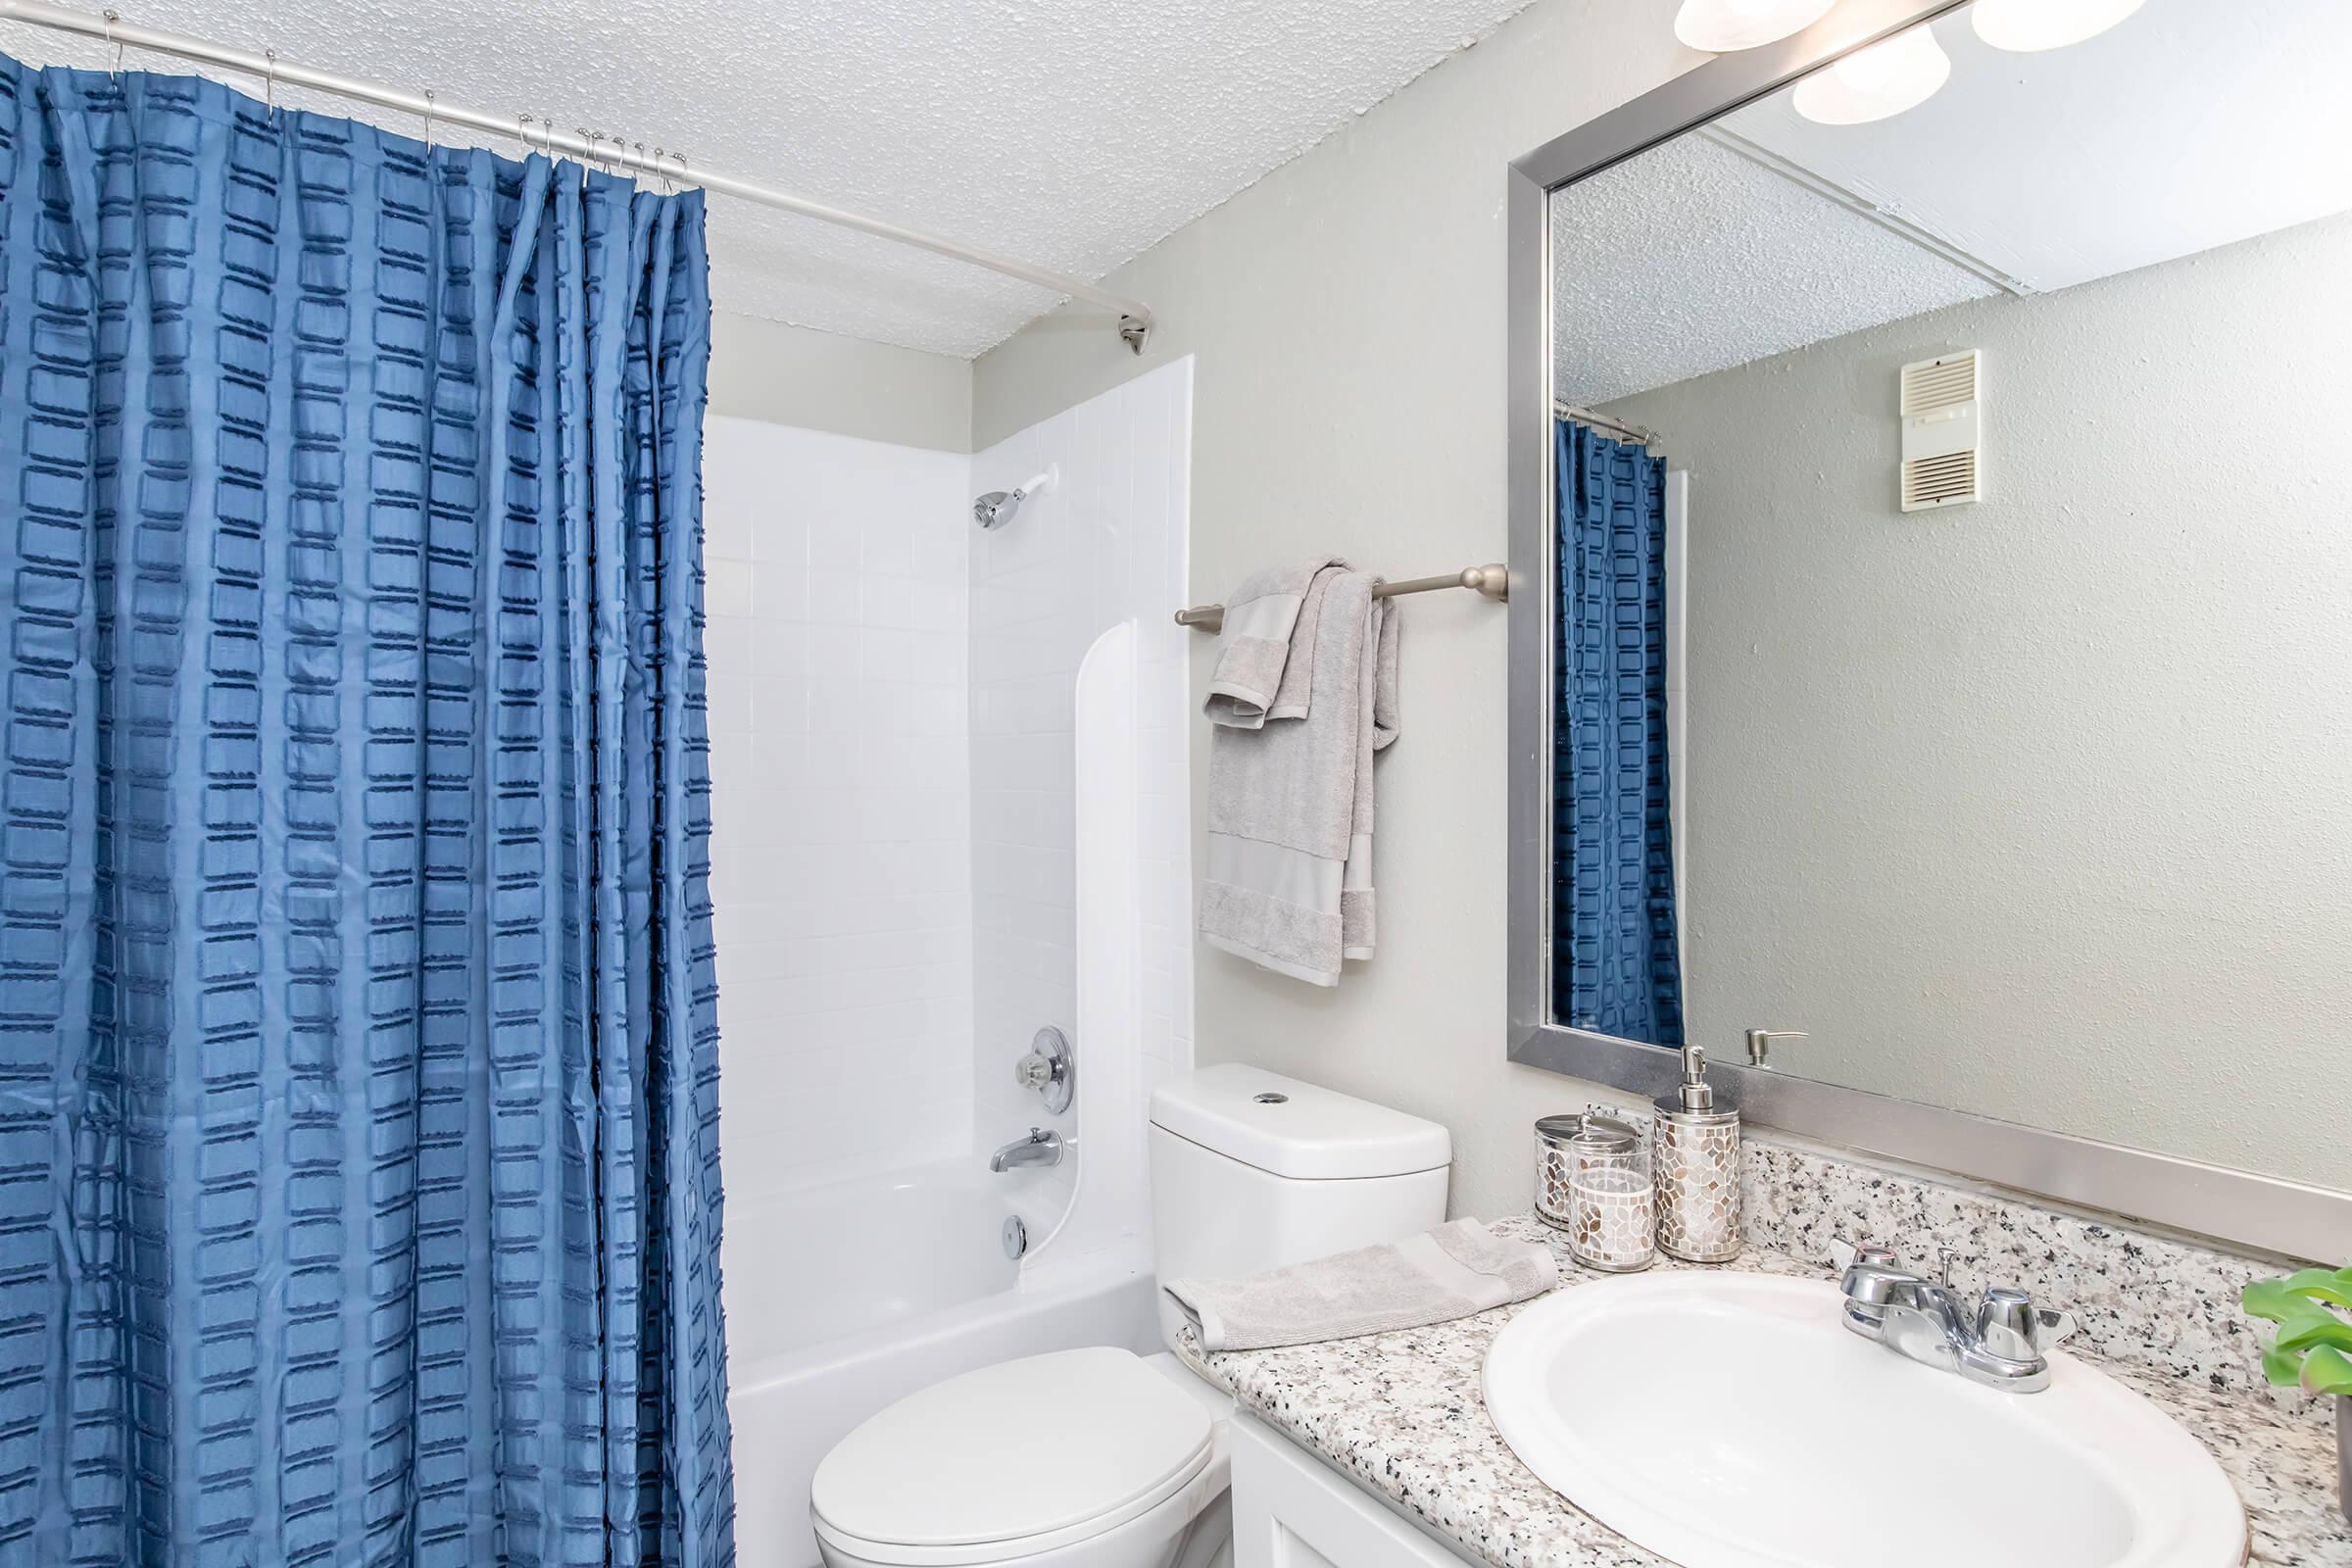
1348,317
792,375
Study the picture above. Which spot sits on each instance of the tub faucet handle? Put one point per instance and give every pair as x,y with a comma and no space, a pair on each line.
1049,1069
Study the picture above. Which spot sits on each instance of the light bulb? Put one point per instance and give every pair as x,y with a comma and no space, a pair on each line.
1726,27
2026,26
1887,77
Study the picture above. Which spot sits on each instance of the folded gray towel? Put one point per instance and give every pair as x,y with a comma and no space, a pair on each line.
1459,1268
1256,677
1377,727
1288,883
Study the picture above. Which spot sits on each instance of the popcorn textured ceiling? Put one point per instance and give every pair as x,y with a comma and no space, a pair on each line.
1071,133
1692,258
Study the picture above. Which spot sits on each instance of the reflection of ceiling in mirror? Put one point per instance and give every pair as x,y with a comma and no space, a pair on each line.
1692,258
2193,123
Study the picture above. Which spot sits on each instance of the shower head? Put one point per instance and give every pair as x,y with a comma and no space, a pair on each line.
995,508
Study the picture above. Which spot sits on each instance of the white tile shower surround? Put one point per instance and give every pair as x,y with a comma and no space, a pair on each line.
893,757
841,839
847,734
1107,544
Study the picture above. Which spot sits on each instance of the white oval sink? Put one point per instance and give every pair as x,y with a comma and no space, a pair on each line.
1730,1421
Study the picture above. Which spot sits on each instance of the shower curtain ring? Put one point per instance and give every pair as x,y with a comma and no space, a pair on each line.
428,122
112,17
269,56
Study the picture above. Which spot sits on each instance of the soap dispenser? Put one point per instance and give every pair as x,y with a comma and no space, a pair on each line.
1696,1162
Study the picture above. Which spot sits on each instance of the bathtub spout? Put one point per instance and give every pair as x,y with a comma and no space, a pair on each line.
1040,1148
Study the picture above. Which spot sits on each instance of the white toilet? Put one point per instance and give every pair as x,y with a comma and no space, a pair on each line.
1097,1457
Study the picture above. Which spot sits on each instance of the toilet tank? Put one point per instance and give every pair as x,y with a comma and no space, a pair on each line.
1252,1170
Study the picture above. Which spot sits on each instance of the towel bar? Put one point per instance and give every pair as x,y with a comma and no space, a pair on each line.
1490,580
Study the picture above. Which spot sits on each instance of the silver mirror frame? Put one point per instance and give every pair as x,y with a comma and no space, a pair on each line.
2237,1208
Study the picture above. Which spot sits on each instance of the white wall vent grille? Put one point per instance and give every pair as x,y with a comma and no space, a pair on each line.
1942,405
1935,481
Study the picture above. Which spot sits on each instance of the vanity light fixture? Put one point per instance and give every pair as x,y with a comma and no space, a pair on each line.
2027,26
1726,27
1887,77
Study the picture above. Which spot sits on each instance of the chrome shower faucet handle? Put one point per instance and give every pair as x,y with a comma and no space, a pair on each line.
1049,1068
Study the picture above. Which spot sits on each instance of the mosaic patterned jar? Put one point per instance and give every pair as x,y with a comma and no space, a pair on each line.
1592,1181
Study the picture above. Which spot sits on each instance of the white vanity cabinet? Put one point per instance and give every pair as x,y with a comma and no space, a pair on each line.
1291,1510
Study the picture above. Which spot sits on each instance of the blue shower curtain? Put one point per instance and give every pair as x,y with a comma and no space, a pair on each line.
359,1170
1615,966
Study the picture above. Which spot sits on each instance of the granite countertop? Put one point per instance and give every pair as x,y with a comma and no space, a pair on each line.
1402,1415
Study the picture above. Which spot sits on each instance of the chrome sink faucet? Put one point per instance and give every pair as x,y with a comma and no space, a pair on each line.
1996,1341
1040,1148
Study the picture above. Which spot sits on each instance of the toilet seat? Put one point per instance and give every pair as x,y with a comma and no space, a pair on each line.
1010,1460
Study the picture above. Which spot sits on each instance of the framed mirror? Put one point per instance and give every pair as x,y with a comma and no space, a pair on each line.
1932,601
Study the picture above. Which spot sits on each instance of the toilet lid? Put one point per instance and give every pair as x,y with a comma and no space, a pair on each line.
1018,1450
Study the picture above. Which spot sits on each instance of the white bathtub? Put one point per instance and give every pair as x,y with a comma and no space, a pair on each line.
842,1298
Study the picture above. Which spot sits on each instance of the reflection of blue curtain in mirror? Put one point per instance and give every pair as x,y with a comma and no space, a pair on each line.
1615,968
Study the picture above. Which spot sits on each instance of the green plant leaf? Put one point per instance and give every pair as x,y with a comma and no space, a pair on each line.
2317,1327
2298,1312
2330,1285
2327,1370
2283,1371
2269,1298
2312,1347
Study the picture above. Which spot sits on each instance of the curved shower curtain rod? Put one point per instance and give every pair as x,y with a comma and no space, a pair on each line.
1134,316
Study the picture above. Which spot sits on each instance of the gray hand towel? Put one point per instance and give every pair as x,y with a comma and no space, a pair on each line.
1376,730
1453,1271
1269,615
1289,876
